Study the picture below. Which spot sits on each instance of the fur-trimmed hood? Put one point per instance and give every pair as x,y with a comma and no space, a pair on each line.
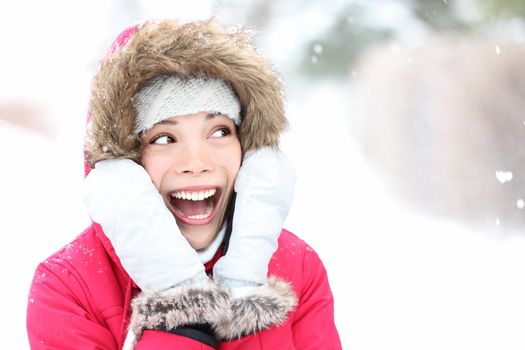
197,49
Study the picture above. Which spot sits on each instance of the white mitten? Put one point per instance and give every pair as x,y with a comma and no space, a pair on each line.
121,197
264,186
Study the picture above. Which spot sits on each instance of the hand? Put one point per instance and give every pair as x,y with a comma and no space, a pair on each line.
121,197
264,186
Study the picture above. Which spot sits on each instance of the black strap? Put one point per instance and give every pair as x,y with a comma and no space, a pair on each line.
201,332
229,222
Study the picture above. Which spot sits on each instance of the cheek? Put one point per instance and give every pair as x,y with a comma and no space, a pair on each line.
230,160
234,165
154,165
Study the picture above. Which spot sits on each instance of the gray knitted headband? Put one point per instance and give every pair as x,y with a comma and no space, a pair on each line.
169,96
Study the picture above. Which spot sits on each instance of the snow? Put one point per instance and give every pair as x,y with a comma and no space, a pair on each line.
504,176
318,49
400,279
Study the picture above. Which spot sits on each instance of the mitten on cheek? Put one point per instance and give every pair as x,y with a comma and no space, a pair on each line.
264,192
121,197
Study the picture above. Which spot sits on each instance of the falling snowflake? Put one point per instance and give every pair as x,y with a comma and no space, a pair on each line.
318,49
498,50
520,203
504,176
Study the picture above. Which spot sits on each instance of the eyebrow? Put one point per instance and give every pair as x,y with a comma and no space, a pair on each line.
213,115
174,121
167,121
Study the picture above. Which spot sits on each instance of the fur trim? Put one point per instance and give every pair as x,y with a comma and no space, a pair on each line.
267,307
198,49
192,303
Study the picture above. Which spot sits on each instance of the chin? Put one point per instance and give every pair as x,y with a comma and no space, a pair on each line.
198,245
198,240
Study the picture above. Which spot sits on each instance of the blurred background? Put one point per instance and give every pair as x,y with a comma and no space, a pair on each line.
407,131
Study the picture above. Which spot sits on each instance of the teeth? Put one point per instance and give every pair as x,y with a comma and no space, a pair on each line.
194,196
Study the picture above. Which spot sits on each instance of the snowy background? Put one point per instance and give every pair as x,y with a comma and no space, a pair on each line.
405,275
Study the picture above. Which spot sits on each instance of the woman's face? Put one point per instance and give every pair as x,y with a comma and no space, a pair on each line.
193,161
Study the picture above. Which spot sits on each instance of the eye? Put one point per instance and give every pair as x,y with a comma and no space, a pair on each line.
162,140
221,132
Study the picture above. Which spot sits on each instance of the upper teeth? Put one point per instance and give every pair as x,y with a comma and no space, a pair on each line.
194,195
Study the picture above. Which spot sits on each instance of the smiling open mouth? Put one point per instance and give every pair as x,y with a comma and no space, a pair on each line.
195,207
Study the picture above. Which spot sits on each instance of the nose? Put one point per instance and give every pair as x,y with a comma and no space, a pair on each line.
194,160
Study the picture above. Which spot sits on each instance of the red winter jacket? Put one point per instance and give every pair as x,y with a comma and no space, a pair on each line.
80,298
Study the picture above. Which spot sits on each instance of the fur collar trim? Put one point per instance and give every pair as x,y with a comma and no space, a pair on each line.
207,302
268,306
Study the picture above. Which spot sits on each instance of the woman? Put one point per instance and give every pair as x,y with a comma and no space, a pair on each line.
186,248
